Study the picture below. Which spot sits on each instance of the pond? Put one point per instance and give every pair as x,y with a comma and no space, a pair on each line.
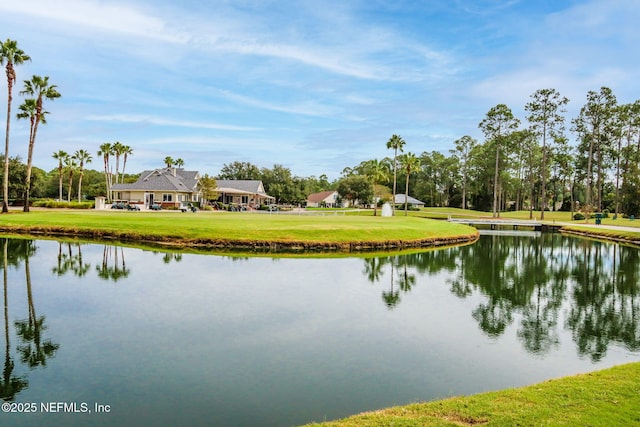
112,335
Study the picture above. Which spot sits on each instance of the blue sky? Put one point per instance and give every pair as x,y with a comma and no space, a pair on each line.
313,85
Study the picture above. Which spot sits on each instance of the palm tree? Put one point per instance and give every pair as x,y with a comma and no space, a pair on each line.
41,89
12,54
82,157
60,156
70,166
126,151
179,163
106,151
409,163
118,150
168,161
377,170
396,143
28,111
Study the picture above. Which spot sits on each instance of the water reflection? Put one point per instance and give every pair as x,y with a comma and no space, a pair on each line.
235,336
113,266
34,348
530,279
70,260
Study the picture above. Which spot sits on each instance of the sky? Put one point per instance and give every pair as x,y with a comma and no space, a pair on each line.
313,85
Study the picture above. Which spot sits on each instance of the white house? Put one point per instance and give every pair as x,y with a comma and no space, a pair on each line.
328,199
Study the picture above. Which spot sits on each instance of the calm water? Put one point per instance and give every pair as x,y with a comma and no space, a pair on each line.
179,339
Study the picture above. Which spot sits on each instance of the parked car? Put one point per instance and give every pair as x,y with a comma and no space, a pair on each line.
131,207
156,207
119,205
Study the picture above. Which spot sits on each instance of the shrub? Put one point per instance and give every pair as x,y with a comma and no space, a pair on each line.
58,205
578,216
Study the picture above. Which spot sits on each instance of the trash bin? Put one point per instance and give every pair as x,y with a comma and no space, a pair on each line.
598,218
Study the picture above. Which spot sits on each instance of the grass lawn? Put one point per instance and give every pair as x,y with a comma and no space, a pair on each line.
211,227
605,398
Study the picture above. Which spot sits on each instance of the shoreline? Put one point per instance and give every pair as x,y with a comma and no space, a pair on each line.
250,245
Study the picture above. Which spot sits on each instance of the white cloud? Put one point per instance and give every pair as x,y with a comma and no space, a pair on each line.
119,18
160,121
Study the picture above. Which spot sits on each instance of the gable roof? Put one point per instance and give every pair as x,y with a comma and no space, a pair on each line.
166,179
410,200
252,186
318,197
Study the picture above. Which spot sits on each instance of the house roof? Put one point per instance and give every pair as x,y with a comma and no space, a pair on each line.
401,197
248,186
318,197
166,179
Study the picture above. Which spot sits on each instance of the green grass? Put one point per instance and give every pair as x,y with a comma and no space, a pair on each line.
221,227
605,398
626,236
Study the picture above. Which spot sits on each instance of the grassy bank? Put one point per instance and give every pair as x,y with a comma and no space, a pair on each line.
597,232
609,397
222,229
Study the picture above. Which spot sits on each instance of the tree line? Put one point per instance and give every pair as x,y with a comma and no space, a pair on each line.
521,164
517,166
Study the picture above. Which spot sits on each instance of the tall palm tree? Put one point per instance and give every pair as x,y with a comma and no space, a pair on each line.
28,111
118,150
11,54
70,166
396,143
410,162
105,152
168,161
40,88
179,163
126,151
82,157
60,156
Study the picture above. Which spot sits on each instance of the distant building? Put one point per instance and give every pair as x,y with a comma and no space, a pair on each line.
327,199
169,187
400,198
249,192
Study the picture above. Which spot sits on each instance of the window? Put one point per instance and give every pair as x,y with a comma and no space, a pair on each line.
245,199
167,197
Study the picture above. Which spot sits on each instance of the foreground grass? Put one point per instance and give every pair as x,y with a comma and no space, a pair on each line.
609,397
222,227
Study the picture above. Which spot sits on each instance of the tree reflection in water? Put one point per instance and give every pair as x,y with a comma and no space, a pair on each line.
113,266
532,279
69,261
11,384
34,349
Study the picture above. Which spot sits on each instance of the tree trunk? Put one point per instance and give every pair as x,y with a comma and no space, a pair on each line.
495,183
5,183
32,141
406,195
